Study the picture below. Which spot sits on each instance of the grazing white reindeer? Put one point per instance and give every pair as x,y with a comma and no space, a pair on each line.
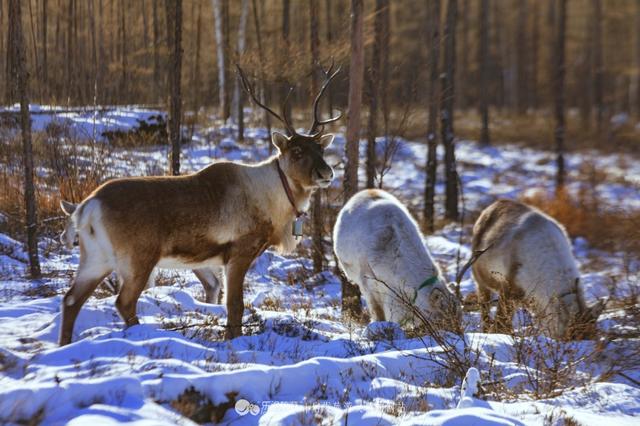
528,257
380,248
223,216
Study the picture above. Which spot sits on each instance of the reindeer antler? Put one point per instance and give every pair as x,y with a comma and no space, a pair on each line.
282,118
316,121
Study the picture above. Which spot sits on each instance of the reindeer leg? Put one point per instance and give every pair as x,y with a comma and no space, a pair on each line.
484,300
134,282
504,315
211,279
236,271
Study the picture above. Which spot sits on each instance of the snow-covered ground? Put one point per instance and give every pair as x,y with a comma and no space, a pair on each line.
299,363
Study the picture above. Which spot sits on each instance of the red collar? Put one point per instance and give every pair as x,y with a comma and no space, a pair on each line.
287,189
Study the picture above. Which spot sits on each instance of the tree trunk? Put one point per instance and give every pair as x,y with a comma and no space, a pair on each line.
286,29
20,80
196,69
124,84
461,77
156,50
636,77
220,10
385,68
598,65
521,76
350,294
446,112
256,24
45,64
374,87
316,206
535,55
329,38
356,71
238,94
559,52
174,36
433,41
69,81
483,60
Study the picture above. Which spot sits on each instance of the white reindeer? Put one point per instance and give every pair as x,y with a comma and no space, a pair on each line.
528,257
380,248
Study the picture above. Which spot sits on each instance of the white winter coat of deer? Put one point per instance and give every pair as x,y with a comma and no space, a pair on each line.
528,257
379,247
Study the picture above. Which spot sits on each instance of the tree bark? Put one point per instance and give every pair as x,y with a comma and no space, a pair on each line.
433,41
446,112
45,64
238,95
636,77
316,205
256,24
124,84
156,50
521,76
329,39
461,77
535,55
174,36
20,80
598,65
373,85
221,12
351,303
559,61
483,60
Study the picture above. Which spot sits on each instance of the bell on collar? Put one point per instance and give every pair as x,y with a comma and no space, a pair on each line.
297,226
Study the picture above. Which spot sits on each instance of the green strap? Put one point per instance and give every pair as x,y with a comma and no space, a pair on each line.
426,283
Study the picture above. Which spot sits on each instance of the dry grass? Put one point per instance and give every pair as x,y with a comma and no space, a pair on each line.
582,215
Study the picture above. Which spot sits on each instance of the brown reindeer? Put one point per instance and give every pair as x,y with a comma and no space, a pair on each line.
525,255
218,219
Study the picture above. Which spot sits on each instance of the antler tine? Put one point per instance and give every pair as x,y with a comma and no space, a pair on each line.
329,76
249,89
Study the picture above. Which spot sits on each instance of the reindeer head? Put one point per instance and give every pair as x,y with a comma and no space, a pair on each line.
576,320
302,154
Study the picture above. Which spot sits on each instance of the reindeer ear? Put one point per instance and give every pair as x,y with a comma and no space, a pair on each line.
280,141
326,140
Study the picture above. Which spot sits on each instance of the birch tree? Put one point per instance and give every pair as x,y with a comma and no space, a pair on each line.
220,13
20,80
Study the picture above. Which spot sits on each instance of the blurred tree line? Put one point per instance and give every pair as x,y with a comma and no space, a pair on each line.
115,51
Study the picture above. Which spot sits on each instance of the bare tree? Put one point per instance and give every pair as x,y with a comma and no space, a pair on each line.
174,36
433,41
238,93
221,16
559,62
156,49
43,42
124,84
20,79
351,303
461,77
373,86
521,74
483,60
356,74
446,111
316,204
598,65
636,77
261,57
